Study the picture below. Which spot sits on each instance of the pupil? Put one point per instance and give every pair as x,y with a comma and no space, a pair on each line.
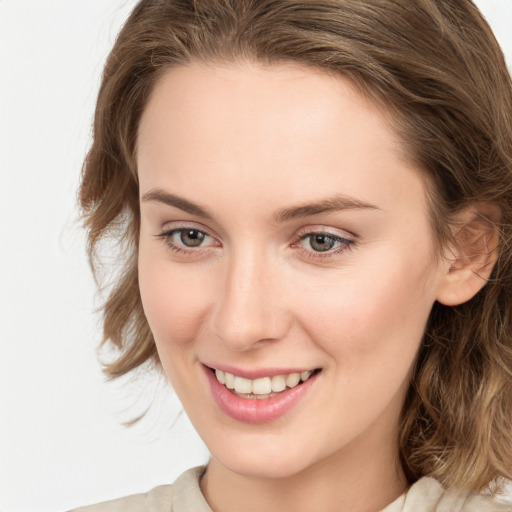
192,237
322,242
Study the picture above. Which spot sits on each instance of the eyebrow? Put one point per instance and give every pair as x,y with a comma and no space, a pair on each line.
160,196
331,204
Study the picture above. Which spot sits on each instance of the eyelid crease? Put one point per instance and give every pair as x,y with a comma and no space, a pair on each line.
327,234
176,225
322,229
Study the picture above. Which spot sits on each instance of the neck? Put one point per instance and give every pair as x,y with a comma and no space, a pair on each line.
350,480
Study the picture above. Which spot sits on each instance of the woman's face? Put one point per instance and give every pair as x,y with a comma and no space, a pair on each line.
283,231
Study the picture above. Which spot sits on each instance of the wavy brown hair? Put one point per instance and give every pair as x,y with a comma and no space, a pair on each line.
438,69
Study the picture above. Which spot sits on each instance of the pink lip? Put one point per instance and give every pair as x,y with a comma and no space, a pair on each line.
257,411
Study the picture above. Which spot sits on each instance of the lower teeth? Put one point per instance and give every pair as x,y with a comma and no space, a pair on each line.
253,396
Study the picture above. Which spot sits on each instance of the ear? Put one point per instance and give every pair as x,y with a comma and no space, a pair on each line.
471,254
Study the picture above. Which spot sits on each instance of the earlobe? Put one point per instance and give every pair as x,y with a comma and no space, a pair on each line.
471,255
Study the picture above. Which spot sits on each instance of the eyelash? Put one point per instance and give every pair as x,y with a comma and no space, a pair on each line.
166,237
344,243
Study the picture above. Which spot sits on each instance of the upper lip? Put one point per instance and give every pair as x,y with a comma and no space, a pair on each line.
257,373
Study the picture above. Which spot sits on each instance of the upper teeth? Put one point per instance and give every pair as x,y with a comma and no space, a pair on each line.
263,385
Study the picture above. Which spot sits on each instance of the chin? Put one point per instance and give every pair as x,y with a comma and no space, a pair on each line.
265,469
264,460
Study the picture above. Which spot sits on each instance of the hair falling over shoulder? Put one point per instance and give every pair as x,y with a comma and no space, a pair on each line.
438,70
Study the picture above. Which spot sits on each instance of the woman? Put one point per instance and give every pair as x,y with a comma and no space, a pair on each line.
316,200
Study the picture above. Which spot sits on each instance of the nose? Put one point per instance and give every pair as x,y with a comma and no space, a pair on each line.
250,308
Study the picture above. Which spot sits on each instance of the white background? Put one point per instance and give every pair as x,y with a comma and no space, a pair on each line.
61,439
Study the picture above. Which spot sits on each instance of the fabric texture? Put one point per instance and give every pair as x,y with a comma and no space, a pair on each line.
426,495
183,496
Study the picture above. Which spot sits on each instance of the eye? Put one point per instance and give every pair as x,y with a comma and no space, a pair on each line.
187,240
191,237
323,243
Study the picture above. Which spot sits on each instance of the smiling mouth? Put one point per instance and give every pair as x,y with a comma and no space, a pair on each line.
264,387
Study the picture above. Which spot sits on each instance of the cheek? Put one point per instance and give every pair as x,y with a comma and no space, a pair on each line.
174,300
370,320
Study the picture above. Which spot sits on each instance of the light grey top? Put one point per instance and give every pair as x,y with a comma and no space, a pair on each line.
426,495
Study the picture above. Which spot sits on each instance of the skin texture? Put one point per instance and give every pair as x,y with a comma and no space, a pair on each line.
246,142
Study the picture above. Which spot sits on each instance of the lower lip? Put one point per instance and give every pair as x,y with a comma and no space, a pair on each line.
254,410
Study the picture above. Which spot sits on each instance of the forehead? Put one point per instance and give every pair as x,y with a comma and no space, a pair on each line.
299,128
200,94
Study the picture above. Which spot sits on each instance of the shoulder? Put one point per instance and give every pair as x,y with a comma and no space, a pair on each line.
156,500
185,494
428,495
